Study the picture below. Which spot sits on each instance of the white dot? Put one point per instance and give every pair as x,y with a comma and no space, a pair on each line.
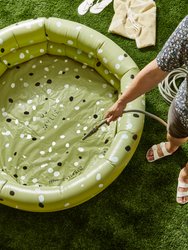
78,131
22,136
101,185
44,165
78,28
106,72
13,85
50,170
66,204
120,58
34,66
75,164
1,41
62,136
58,24
129,126
117,66
66,86
4,114
7,145
67,145
26,84
29,136
34,180
9,159
41,198
56,173
80,149
22,55
112,82
77,108
42,152
16,122
50,149
41,50
124,136
34,107
100,51
55,127
70,42
105,60
114,158
101,156
29,101
85,128
49,91
104,85
26,123
98,177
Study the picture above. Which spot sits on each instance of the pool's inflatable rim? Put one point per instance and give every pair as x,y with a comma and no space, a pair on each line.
25,40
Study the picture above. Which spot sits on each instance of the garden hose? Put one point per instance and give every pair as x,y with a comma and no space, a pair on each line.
169,86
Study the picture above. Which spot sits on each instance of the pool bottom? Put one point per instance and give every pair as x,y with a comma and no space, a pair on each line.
47,105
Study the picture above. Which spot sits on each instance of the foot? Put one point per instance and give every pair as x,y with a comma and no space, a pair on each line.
182,189
159,151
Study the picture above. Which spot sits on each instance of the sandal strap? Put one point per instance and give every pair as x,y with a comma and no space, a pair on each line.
182,194
182,184
163,149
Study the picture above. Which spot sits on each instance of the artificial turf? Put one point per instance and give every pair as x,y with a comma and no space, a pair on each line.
138,211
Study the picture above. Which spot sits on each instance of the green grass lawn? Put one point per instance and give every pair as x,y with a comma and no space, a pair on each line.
138,210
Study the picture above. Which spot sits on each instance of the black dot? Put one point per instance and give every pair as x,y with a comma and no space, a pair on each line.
84,100
49,81
135,137
125,55
24,167
63,72
15,175
46,98
26,113
10,100
34,138
15,153
8,64
46,34
2,50
8,120
25,184
95,116
132,76
12,193
59,164
80,157
37,84
77,77
136,115
98,64
18,67
63,118
115,92
41,204
67,152
1,199
71,98
127,148
106,141
31,74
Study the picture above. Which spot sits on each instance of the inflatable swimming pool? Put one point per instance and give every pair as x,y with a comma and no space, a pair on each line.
58,78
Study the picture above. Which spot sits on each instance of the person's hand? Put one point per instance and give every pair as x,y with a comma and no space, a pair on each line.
114,112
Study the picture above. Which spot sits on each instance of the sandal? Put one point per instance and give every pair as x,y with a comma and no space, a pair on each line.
155,153
84,7
99,6
181,194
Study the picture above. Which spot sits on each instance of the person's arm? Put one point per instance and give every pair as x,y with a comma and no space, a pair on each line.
148,78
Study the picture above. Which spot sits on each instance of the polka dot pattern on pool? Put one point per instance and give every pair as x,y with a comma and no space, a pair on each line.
44,115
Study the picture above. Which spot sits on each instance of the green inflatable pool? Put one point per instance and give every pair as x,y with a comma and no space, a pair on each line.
58,78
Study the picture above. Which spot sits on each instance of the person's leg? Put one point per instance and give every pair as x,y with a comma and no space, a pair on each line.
177,134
